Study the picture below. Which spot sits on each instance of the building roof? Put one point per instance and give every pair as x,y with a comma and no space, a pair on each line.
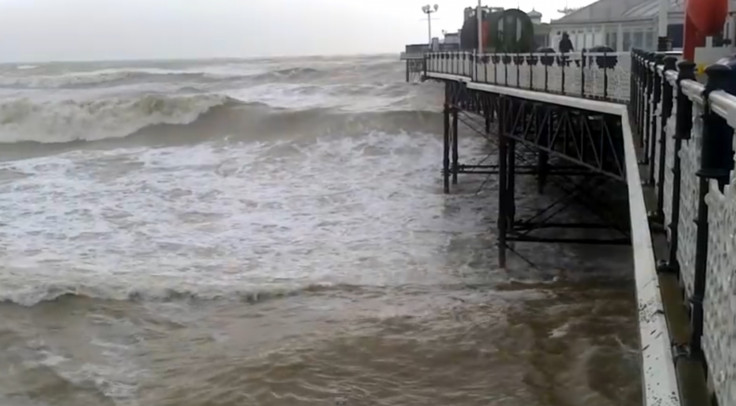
618,10
534,13
650,9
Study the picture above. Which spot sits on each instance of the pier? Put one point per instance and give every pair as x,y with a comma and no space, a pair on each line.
639,121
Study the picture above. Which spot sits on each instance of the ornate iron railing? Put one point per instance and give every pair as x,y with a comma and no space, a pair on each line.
686,130
602,76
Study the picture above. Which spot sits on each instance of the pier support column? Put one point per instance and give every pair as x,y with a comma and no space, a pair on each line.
490,112
446,149
511,185
683,126
455,147
542,129
502,200
716,162
502,183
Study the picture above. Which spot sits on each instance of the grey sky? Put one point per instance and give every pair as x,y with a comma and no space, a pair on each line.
39,30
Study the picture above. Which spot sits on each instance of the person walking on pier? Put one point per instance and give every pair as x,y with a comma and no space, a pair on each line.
565,47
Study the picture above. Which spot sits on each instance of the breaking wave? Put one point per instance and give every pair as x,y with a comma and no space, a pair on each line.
71,120
111,77
45,77
289,73
58,292
26,120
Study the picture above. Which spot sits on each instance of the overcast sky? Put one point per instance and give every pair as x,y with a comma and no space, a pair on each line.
42,30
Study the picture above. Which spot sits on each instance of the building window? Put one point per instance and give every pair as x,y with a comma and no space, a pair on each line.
675,32
627,41
652,40
638,41
612,39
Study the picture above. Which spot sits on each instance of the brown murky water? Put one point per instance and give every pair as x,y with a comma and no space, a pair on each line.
304,256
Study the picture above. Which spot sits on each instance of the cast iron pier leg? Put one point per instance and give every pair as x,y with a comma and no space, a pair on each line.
446,149
455,153
502,187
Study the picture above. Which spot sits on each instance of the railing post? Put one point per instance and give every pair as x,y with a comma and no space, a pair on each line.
637,70
563,62
532,62
716,162
605,76
495,60
467,64
426,63
642,101
633,86
547,62
637,89
582,73
683,126
471,61
648,88
667,95
656,80
475,66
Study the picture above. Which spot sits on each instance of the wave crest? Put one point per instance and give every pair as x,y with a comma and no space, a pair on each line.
72,120
59,292
189,117
111,77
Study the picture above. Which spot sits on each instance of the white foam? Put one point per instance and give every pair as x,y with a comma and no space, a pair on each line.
227,218
26,67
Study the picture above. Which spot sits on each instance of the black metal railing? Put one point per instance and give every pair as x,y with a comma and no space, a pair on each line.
594,75
686,131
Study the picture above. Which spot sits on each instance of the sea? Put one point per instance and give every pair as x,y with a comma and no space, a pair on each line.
274,232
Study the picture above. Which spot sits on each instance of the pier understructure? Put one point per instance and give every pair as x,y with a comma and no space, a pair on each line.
638,124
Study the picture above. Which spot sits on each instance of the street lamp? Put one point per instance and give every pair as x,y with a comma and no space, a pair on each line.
479,15
428,10
664,9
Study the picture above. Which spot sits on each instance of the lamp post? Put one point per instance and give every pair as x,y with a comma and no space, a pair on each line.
479,15
664,8
428,10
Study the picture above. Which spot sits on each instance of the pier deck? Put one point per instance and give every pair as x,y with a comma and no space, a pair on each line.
640,119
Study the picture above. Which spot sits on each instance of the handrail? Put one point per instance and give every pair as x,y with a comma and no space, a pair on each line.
693,90
687,136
